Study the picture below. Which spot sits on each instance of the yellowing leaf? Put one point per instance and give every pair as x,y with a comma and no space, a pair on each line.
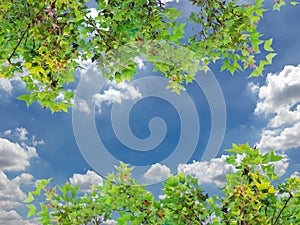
28,65
36,70
272,190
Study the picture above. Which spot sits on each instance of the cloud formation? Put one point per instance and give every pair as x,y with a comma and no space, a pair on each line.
14,158
8,85
85,181
11,217
213,171
116,93
82,106
5,85
157,172
20,134
279,101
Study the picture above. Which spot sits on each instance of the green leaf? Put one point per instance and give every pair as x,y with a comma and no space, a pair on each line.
294,3
32,210
29,199
26,98
273,157
44,182
178,32
270,57
225,65
267,45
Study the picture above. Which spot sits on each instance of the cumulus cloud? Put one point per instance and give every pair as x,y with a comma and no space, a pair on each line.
282,165
37,142
8,85
82,106
85,181
5,85
296,174
280,139
24,178
116,94
166,1
282,90
279,101
10,192
11,217
109,222
21,132
7,132
140,63
158,172
14,157
213,171
253,88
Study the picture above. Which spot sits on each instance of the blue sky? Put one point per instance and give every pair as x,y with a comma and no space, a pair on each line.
264,111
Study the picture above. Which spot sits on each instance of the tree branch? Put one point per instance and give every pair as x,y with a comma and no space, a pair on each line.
18,44
285,204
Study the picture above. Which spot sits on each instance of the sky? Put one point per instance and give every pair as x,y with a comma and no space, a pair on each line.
157,132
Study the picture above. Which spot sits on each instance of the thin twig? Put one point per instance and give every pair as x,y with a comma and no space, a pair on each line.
18,44
277,218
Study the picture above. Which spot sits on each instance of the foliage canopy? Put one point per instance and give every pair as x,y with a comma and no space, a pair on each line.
49,38
249,197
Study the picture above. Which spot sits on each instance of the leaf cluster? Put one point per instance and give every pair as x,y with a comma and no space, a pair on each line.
49,38
249,197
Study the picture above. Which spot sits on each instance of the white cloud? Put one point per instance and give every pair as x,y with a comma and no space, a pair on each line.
11,217
285,117
116,94
85,181
109,222
282,165
253,88
24,178
82,106
11,194
7,132
212,171
139,62
158,172
166,1
279,100
281,90
280,139
37,142
215,170
14,157
296,174
5,85
21,133
9,84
